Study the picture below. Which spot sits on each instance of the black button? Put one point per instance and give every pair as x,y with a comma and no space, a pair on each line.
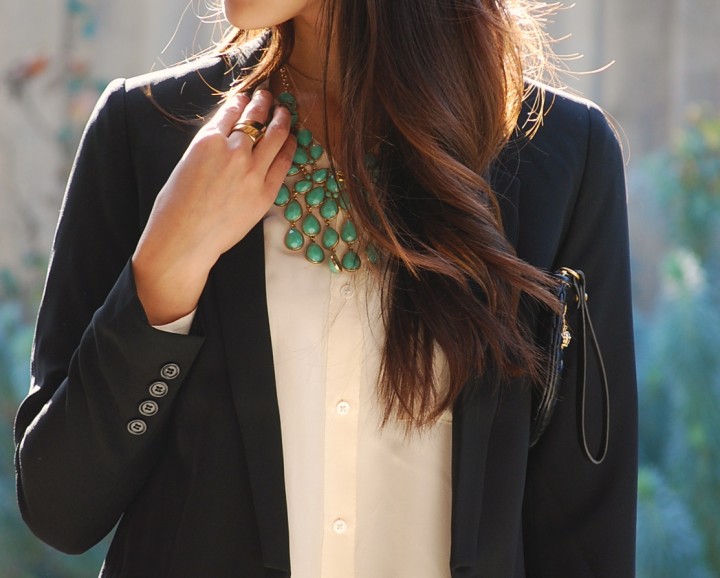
137,427
158,389
148,407
170,371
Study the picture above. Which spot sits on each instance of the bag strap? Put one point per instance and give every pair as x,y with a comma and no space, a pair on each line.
577,282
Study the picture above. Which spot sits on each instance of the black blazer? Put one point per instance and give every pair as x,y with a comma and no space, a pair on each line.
201,493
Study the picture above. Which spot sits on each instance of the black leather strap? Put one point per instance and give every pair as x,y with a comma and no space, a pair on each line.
571,285
586,327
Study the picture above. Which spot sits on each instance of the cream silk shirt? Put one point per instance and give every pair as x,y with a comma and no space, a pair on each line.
363,501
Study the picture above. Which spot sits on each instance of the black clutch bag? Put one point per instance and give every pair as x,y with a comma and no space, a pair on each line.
557,334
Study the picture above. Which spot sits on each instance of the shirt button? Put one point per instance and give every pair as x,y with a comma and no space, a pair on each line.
339,526
170,371
343,408
137,427
347,290
148,408
158,389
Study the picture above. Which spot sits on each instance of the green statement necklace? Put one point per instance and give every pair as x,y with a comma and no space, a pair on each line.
315,199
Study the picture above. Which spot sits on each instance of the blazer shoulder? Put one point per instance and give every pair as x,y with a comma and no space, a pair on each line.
180,90
566,121
188,88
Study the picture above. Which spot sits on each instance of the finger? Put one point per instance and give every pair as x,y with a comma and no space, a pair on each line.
281,163
256,112
228,114
276,134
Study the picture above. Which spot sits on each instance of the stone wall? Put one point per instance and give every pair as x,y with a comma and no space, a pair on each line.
662,56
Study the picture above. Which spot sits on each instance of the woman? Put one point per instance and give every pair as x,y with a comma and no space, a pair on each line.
297,333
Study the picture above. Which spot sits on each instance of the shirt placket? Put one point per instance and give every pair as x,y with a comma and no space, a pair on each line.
342,403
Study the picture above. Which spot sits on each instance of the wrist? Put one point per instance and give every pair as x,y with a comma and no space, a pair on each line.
167,291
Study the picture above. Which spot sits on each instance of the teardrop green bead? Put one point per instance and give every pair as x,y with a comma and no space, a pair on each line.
329,209
287,99
316,151
304,137
372,254
320,175
311,225
351,261
315,197
293,170
314,254
303,186
348,233
344,201
301,156
332,184
293,211
294,239
330,238
283,196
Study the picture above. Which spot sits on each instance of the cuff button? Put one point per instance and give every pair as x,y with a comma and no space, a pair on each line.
158,389
170,371
148,408
137,427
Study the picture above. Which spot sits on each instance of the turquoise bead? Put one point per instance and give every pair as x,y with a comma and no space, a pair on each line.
332,184
348,233
304,137
287,99
311,225
303,186
330,238
315,197
316,151
351,261
294,239
320,175
314,254
329,209
293,170
372,254
283,196
301,156
293,211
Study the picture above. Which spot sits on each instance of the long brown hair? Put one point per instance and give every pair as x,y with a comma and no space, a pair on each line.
444,81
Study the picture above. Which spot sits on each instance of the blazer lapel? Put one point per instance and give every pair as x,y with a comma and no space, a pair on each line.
239,285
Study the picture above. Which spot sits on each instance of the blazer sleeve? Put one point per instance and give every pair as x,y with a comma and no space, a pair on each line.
103,380
580,517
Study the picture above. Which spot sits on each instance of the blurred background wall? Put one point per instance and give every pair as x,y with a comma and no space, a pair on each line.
662,86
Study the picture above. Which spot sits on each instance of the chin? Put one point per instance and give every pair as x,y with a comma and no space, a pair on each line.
254,14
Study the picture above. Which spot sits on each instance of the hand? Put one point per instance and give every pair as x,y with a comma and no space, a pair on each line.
218,192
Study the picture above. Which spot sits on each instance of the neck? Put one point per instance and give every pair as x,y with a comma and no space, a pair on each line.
310,53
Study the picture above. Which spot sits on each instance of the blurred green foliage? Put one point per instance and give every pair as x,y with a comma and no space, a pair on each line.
21,554
678,342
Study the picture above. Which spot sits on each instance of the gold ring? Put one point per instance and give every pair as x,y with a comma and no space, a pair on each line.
252,128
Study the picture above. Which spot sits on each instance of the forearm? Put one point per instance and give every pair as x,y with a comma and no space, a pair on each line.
84,456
